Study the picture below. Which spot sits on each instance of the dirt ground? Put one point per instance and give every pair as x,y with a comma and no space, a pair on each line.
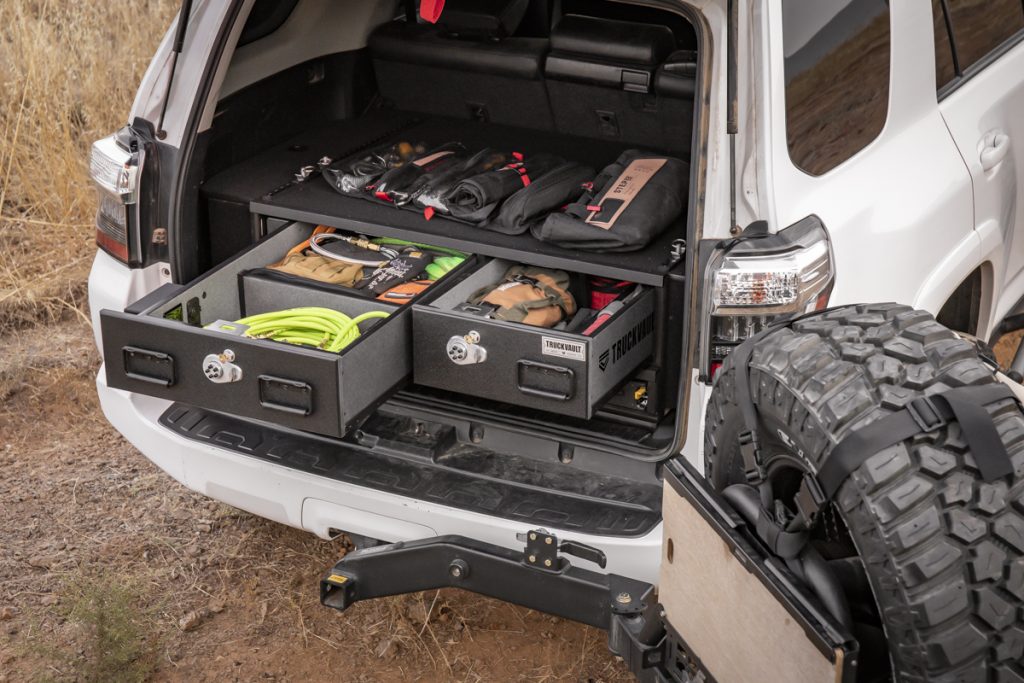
218,594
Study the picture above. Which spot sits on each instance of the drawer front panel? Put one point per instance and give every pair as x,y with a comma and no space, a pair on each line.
515,370
539,368
288,385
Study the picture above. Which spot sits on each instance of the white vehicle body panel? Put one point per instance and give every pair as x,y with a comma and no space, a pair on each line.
985,116
900,206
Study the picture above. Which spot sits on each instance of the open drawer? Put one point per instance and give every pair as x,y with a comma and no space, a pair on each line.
548,369
162,348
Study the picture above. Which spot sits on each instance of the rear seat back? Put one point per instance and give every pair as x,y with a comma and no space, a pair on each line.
467,66
617,80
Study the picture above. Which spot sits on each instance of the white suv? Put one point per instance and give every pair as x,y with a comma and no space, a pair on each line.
871,149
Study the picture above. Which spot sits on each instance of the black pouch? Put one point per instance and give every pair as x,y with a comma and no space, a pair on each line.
397,185
633,201
433,188
550,192
408,266
351,176
476,199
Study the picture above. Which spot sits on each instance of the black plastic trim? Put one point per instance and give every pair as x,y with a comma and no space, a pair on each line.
399,469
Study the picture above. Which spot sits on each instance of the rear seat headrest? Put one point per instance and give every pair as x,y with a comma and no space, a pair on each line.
611,40
482,19
677,77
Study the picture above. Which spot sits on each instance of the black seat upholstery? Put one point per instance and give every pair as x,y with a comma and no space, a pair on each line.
677,77
467,66
608,53
601,76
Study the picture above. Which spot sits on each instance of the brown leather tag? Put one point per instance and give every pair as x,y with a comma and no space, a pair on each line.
625,189
432,157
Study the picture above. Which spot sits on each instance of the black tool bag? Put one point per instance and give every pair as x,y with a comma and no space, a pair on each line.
352,176
398,185
431,191
632,202
550,192
476,199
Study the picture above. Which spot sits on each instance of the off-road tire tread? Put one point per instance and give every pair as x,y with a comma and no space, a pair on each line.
943,549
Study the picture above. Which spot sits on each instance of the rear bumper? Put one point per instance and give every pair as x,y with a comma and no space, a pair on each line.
322,505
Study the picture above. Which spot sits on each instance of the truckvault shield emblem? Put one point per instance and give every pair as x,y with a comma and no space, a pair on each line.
602,361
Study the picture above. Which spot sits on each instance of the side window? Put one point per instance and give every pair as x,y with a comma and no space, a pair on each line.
837,78
265,17
980,26
946,67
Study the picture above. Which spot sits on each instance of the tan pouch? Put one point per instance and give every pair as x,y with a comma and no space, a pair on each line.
316,267
533,296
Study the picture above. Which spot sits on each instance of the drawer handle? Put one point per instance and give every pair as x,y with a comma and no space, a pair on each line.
286,395
152,367
553,376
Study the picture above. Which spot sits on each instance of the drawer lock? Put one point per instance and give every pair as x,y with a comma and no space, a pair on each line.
466,350
220,368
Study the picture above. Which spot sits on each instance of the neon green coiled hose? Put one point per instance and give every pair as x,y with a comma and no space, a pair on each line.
308,326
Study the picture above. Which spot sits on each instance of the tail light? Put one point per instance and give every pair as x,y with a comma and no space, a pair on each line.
751,282
114,167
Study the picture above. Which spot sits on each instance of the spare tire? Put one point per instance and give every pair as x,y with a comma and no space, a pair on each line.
942,549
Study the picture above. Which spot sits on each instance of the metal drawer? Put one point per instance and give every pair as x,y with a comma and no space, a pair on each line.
557,371
148,352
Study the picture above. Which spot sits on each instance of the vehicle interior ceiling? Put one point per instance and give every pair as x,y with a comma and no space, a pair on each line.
581,79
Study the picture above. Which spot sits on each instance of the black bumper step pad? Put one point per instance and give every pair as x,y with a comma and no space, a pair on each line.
414,474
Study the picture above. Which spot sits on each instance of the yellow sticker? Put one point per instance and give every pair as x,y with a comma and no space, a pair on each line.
337,579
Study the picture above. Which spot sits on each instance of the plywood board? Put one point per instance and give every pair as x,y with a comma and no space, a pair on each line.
727,617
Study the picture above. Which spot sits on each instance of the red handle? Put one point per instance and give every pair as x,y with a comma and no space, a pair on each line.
431,10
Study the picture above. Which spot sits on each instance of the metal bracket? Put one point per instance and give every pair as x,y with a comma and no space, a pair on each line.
542,551
455,561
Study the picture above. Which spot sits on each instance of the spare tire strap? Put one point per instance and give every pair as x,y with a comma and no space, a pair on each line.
750,447
921,415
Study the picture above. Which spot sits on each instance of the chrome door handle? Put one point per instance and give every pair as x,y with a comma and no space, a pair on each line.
994,148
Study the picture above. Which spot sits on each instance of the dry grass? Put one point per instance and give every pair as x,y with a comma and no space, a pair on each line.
68,72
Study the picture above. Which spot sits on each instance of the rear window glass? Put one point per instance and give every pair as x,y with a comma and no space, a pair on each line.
945,61
980,26
265,17
837,78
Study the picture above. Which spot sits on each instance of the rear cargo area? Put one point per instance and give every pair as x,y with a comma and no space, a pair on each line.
443,396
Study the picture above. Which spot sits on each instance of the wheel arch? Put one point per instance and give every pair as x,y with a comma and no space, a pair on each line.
968,307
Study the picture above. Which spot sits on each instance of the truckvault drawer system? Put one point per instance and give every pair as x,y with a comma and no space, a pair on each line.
549,369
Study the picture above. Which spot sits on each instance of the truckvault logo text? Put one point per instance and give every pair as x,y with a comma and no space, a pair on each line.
626,342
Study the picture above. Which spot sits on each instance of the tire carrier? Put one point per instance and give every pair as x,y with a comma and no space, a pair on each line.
540,577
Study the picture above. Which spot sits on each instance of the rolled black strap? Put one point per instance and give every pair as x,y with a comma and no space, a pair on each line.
921,415
785,544
750,448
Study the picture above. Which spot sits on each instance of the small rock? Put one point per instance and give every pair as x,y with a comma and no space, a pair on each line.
193,619
193,551
41,561
204,528
49,600
8,612
216,605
